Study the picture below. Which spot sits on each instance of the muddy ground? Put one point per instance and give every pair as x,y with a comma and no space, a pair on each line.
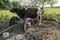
44,32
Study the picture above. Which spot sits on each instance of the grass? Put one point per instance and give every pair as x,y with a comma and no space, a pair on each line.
6,14
57,33
52,14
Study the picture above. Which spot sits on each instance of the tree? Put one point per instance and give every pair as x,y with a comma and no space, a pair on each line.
42,2
16,4
2,4
37,3
6,4
51,2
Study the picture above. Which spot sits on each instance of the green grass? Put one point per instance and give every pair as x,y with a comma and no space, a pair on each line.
52,14
6,14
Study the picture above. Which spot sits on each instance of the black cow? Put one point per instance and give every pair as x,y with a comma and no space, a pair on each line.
29,13
33,13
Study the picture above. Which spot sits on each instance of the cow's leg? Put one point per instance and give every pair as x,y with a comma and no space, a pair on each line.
41,14
40,20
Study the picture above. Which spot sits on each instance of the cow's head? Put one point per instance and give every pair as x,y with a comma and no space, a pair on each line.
14,10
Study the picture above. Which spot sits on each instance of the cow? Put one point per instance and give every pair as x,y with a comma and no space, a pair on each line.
23,13
33,13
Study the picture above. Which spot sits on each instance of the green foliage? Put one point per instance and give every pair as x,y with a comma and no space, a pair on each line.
51,2
5,15
6,4
37,3
51,14
2,5
16,4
